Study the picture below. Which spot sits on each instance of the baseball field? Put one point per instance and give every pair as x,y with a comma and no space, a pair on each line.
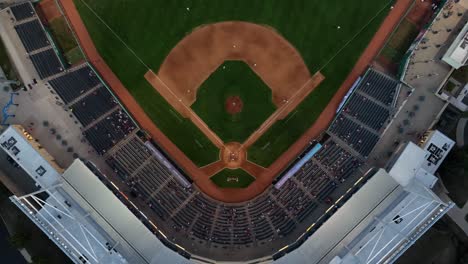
136,37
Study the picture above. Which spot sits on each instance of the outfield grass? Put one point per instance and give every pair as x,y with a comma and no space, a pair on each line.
234,78
151,28
400,41
74,56
221,178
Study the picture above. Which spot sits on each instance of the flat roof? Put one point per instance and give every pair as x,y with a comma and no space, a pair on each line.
24,150
326,242
115,218
378,223
437,146
457,54
408,163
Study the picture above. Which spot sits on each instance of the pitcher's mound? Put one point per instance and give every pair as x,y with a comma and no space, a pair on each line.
234,105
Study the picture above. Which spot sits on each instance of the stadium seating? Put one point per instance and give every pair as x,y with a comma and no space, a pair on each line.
75,83
23,11
337,161
274,214
366,111
379,86
109,131
93,106
32,35
46,63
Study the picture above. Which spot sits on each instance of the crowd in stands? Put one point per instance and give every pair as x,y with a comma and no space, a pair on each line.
274,214
93,106
47,63
366,112
380,87
109,131
77,82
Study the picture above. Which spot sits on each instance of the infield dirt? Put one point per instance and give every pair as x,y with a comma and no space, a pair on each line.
265,176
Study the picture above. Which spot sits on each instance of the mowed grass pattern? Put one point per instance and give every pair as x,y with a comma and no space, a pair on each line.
234,78
151,28
228,178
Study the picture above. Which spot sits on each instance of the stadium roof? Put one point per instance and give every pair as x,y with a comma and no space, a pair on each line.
35,160
116,219
381,220
437,146
457,54
408,164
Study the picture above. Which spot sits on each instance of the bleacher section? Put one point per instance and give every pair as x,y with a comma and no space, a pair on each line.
75,83
93,106
366,112
97,110
109,131
276,213
339,163
356,136
47,63
273,215
379,86
32,35
23,11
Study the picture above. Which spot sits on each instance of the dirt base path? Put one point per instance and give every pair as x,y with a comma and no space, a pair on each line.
286,108
265,177
201,52
182,107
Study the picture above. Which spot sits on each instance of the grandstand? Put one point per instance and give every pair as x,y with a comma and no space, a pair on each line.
23,11
161,203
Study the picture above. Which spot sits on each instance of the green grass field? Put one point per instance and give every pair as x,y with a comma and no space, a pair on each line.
234,78
74,55
400,41
65,40
228,178
151,28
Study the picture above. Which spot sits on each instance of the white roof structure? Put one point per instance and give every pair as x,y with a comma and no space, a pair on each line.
408,164
89,223
134,239
457,54
25,151
437,146
78,212
381,220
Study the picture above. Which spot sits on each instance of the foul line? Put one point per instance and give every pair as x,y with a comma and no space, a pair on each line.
196,116
357,34
115,34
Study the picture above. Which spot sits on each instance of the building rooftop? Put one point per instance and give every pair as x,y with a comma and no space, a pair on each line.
457,54
30,156
383,218
437,146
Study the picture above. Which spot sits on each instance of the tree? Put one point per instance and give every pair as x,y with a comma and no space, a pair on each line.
19,239
40,260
